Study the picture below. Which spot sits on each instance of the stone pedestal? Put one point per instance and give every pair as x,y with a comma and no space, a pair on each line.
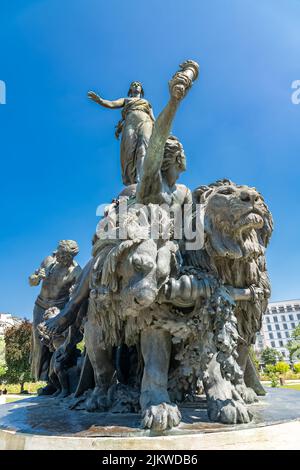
47,423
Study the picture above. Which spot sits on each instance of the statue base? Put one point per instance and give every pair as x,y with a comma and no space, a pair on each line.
48,423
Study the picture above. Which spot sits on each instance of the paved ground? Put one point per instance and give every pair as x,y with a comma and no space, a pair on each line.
50,416
10,397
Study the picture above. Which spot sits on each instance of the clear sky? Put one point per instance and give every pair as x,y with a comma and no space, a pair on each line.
59,157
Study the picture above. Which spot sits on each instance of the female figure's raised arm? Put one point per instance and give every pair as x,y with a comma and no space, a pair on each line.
115,104
179,85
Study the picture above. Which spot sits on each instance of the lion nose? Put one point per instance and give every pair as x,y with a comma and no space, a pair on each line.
145,297
248,196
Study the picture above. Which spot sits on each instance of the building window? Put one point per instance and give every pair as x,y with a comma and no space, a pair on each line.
273,344
268,319
287,335
281,344
275,319
285,326
298,316
277,327
283,318
279,335
291,317
293,325
283,353
271,335
269,327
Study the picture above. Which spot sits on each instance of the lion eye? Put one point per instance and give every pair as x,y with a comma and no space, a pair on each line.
227,191
142,263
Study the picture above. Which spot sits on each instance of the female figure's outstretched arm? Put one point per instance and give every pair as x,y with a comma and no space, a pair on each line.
115,104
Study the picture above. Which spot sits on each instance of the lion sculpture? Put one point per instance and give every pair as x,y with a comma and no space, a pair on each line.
127,306
207,338
238,226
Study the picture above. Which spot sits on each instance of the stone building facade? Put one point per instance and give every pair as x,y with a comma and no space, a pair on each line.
280,319
6,320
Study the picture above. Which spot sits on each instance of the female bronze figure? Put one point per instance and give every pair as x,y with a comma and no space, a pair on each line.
136,129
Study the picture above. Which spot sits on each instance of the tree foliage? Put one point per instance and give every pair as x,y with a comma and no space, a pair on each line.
2,359
254,358
270,356
17,352
294,344
296,367
282,367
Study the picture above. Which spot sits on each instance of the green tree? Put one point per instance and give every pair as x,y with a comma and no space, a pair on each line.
17,353
296,367
281,367
272,374
270,369
80,346
2,359
294,344
270,356
254,358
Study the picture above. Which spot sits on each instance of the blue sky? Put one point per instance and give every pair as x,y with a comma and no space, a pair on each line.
59,157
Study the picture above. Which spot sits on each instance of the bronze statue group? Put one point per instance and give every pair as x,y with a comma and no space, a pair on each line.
160,321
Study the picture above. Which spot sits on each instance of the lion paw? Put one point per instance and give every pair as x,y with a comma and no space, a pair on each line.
229,412
63,393
161,417
247,394
97,401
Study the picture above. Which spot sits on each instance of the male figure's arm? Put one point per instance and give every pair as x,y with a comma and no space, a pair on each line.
40,273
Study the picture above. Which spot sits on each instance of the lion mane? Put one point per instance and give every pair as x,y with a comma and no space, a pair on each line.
237,227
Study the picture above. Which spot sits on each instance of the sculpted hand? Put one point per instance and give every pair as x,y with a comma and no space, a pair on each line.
94,97
56,325
44,335
257,293
42,273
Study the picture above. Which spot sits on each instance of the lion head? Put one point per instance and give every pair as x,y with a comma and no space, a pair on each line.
237,222
139,260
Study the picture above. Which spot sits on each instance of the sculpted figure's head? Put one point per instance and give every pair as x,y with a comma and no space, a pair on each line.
135,89
66,251
174,161
238,223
